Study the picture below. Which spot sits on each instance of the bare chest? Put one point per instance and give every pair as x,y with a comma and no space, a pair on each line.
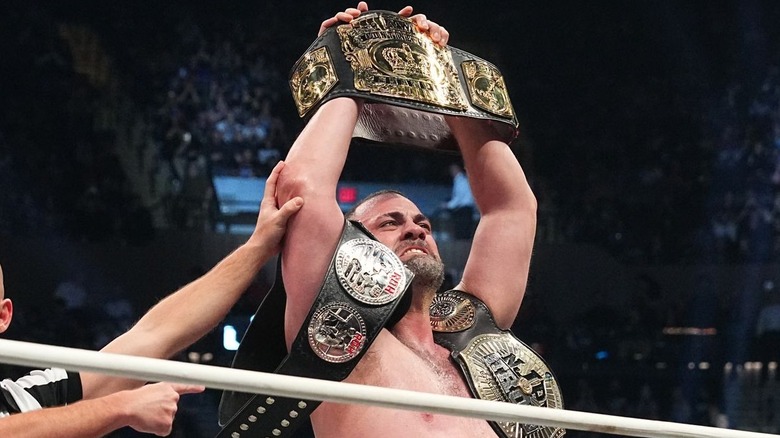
405,368
394,365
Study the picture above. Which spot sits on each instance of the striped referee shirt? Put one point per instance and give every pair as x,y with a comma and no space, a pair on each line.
39,389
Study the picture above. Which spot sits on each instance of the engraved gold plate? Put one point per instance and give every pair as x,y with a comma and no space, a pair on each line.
487,89
451,312
390,57
502,368
312,78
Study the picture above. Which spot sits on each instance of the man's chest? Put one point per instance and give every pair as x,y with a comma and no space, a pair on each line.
398,366
391,363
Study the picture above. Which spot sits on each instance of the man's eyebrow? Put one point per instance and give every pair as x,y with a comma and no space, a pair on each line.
421,218
397,215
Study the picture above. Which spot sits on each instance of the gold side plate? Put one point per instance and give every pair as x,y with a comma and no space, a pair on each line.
313,77
451,312
487,88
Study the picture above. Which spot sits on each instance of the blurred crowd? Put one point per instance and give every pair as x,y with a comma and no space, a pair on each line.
218,106
686,182
670,178
118,154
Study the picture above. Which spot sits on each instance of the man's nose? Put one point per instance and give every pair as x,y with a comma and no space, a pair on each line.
414,231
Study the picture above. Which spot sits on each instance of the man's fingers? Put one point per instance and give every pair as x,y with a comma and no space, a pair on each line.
340,17
187,389
421,21
270,183
291,207
434,30
354,12
346,17
326,24
437,33
445,36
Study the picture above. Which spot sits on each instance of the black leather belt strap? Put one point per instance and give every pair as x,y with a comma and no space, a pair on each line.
407,82
363,291
496,364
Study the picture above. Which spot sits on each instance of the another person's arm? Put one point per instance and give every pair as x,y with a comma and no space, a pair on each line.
150,409
500,257
190,313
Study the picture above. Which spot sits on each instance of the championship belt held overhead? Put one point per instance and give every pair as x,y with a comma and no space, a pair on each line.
408,82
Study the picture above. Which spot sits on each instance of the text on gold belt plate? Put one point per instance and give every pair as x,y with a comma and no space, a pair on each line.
389,57
504,369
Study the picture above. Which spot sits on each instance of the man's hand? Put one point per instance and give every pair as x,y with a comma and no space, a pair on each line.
272,220
152,408
346,17
436,32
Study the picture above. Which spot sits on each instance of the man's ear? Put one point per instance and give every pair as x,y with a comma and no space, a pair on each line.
6,313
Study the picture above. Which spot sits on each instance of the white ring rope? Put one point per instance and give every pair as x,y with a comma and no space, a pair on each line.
39,355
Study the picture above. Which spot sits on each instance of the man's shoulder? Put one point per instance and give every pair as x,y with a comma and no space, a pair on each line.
39,378
41,388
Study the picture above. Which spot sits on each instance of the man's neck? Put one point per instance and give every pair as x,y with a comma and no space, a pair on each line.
414,329
416,334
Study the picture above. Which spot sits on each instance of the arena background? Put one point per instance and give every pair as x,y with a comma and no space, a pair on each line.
650,134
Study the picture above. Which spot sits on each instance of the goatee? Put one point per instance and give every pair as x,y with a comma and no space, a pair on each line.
428,272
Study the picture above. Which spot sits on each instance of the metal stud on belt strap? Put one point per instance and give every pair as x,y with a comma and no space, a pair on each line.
298,408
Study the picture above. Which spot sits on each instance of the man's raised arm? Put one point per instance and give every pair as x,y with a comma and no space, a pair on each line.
498,264
314,165
315,162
